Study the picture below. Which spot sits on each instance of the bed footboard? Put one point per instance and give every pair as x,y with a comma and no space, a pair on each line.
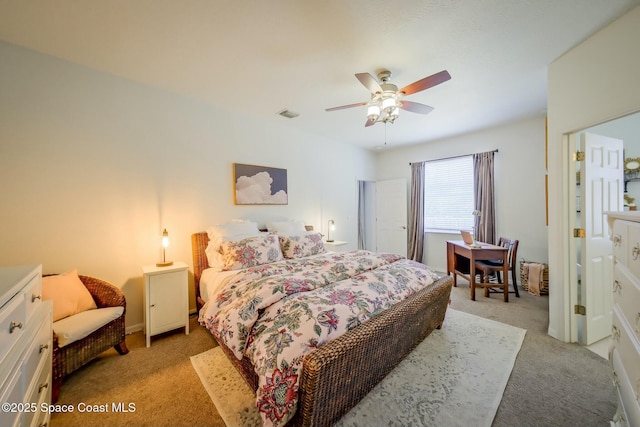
336,376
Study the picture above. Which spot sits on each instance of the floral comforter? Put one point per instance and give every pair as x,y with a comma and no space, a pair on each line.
276,313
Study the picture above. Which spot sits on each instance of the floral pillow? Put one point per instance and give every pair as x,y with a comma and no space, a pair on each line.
302,246
250,252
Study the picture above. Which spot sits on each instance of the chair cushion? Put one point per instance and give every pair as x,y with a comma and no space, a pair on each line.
68,293
80,325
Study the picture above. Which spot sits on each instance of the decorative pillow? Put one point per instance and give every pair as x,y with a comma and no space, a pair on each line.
287,228
250,252
232,231
68,293
302,246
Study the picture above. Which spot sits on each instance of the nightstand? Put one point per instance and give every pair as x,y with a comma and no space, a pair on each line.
335,245
166,299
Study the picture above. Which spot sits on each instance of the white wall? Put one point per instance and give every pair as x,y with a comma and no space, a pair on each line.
519,182
592,83
93,167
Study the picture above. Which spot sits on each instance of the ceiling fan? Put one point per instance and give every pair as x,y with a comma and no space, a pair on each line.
386,100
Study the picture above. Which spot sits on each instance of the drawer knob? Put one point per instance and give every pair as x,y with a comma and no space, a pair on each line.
617,287
616,381
43,347
617,240
615,333
42,386
636,252
34,297
14,325
638,322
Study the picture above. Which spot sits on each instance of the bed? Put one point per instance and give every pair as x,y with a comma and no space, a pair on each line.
368,349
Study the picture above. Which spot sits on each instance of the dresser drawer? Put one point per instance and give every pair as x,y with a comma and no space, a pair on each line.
39,351
33,294
39,394
628,408
620,238
628,347
626,295
11,393
12,325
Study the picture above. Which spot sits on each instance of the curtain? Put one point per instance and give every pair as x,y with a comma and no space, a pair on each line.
361,216
416,213
483,187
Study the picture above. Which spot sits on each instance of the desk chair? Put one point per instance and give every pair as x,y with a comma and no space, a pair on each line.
494,268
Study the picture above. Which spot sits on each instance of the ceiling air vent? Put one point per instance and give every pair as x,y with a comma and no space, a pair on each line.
288,113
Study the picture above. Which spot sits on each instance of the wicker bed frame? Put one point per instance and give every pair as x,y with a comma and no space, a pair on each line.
369,352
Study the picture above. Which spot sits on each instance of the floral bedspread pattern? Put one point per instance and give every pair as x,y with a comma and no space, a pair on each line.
276,313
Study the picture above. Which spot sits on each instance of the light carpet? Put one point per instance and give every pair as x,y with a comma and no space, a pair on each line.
455,377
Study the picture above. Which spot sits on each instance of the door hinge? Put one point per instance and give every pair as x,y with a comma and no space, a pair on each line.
578,156
580,309
578,232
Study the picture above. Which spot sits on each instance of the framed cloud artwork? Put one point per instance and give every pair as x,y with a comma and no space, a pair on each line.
259,185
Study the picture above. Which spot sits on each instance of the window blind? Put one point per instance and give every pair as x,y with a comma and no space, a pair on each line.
449,194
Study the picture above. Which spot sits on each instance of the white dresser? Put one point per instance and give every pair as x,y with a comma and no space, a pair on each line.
624,353
25,347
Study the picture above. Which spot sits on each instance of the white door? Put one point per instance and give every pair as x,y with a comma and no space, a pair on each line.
601,190
391,216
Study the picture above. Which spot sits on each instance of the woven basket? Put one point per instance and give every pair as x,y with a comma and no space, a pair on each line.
524,275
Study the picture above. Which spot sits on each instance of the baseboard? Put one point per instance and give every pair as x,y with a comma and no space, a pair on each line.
134,328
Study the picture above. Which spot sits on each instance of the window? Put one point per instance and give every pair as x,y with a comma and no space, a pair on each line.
448,194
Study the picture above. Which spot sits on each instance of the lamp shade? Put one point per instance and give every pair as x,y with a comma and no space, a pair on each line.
165,245
331,227
388,104
373,112
165,239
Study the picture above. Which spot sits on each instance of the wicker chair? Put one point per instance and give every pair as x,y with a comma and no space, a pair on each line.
74,355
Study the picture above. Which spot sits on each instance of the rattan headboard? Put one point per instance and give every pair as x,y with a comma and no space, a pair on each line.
199,242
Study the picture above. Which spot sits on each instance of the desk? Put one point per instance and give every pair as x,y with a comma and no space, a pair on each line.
457,249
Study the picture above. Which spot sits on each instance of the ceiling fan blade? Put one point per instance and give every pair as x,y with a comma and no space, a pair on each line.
415,107
426,83
342,107
369,82
370,122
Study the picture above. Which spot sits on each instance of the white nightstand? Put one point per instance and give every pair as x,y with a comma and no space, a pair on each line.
335,245
166,299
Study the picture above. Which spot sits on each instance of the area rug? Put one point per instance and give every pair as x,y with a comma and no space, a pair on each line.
455,377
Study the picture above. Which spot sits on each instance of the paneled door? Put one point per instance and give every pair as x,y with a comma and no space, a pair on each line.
601,188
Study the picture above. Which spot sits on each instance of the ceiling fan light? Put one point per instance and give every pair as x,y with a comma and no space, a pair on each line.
388,104
395,112
373,112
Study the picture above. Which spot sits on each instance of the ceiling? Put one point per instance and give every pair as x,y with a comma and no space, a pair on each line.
260,57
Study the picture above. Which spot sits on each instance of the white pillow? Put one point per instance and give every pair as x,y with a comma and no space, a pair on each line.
235,227
287,228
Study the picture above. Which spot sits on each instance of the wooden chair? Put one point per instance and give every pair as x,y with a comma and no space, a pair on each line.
487,269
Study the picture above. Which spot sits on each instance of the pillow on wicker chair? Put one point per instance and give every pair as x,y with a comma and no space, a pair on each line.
68,293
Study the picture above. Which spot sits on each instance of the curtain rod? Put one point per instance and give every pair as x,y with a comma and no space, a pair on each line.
453,157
